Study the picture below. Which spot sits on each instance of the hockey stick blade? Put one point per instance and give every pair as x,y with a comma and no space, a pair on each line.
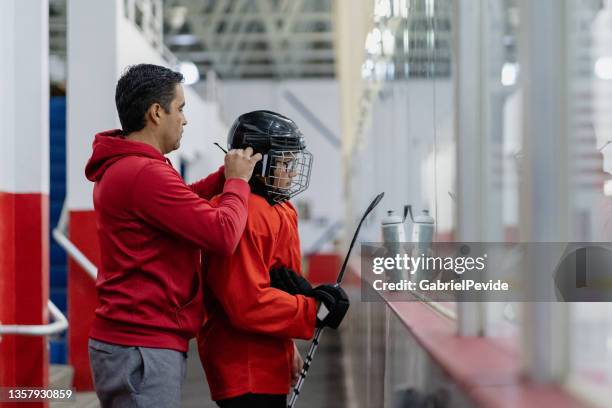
372,205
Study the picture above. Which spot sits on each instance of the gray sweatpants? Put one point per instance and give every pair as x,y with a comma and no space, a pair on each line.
127,377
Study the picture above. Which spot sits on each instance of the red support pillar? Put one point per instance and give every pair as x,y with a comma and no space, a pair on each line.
7,287
24,289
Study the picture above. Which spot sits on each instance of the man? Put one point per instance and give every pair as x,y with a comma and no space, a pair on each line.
151,228
246,344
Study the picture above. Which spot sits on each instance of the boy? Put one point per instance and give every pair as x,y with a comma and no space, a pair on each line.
246,344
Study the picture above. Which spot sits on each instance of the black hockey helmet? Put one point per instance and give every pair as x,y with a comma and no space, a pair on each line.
286,164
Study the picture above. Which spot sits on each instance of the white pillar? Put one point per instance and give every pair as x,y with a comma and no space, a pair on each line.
24,105
470,125
544,212
93,43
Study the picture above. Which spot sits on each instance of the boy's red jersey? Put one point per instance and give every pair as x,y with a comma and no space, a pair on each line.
246,341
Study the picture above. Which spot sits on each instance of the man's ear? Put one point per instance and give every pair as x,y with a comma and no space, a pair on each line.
154,113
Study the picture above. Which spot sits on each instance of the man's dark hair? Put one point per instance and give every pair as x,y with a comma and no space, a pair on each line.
140,87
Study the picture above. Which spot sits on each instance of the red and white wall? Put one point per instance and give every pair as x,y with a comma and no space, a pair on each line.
24,188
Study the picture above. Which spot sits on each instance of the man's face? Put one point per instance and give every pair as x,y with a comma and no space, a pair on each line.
173,122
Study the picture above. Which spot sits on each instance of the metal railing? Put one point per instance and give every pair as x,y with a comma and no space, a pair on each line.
59,234
60,324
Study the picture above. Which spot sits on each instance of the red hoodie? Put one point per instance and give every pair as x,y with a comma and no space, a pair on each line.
151,227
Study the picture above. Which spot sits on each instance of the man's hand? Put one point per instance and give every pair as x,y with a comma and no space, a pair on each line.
240,163
298,362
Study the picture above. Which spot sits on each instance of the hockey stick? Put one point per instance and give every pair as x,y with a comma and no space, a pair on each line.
315,342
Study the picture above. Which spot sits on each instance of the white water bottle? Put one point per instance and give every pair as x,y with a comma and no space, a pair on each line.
422,229
394,236
393,228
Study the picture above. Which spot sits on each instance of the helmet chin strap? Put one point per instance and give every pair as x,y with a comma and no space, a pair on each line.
259,187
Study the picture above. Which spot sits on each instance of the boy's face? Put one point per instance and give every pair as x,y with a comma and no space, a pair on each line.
283,173
287,173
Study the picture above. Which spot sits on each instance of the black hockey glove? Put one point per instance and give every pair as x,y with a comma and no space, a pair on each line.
289,281
334,305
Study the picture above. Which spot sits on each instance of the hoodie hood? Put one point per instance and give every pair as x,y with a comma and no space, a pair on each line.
111,146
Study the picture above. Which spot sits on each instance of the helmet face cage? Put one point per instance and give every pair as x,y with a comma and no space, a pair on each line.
287,173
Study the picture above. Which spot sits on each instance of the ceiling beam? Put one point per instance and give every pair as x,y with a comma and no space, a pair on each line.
250,55
271,31
311,17
233,42
259,38
294,11
250,69
223,38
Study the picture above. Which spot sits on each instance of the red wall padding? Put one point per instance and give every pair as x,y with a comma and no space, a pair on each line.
81,296
24,289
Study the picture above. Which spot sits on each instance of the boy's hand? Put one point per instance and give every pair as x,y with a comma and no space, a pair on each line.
289,281
298,362
333,307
